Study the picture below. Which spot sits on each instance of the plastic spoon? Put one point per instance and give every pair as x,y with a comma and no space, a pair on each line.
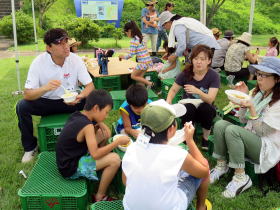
65,90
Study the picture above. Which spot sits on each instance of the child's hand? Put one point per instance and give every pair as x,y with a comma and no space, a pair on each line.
121,56
123,140
189,131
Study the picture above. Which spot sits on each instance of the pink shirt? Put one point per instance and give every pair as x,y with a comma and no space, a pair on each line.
271,52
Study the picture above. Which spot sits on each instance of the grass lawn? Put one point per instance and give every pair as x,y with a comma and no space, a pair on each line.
258,40
11,151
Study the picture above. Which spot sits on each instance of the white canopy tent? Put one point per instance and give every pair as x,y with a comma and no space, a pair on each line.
203,6
19,91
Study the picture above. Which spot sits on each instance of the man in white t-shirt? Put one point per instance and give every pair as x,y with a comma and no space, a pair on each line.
43,90
162,176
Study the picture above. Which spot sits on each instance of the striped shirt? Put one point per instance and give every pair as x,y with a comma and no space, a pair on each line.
139,49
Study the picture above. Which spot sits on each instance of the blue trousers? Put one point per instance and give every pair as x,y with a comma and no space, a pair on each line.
161,36
40,107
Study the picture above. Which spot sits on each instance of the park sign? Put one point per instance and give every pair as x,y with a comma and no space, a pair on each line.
100,9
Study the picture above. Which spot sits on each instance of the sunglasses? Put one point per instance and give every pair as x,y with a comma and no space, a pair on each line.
61,40
258,74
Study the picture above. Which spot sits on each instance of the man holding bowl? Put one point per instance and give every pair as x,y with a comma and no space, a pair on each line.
48,74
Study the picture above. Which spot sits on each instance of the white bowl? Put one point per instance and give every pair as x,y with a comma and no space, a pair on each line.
237,96
122,147
69,97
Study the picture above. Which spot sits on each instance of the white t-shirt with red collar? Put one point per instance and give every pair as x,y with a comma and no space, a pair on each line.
43,69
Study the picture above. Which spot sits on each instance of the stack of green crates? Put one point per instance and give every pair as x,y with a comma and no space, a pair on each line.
249,169
118,97
49,129
108,82
108,205
166,84
45,188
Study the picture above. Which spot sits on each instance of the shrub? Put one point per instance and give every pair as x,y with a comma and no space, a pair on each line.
24,26
107,30
83,29
117,34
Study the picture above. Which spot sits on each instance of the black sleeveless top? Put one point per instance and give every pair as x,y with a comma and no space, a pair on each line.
68,149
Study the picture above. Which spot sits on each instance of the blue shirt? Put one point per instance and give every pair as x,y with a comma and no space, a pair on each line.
150,29
194,39
134,118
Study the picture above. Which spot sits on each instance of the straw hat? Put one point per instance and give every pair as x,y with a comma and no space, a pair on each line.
151,3
216,31
72,42
245,37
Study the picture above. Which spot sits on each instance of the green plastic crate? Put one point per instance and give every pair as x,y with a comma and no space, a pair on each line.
166,84
108,83
153,77
118,97
49,129
107,205
234,120
250,171
251,84
45,188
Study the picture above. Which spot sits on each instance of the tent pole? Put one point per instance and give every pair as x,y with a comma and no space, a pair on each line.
19,91
251,16
34,25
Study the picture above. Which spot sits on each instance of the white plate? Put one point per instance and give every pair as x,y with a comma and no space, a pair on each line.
237,96
121,147
195,102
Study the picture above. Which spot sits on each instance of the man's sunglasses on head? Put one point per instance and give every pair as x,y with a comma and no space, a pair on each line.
63,39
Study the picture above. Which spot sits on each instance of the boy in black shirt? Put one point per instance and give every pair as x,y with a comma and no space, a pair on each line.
78,151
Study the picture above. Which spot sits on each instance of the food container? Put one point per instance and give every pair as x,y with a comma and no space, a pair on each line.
237,96
122,147
69,97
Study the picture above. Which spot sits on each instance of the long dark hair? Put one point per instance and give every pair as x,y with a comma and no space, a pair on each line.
135,31
195,51
169,50
168,4
176,17
275,43
275,90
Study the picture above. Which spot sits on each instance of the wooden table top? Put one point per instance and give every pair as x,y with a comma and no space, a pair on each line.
115,67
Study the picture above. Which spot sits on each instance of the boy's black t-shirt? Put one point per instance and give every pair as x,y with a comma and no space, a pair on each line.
68,149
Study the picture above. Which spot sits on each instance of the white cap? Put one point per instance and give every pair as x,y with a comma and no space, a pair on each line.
165,17
177,109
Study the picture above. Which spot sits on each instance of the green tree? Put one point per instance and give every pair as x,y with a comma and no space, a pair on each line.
43,6
84,29
117,35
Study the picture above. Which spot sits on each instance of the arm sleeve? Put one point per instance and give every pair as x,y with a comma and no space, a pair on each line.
83,75
180,79
215,81
132,49
33,80
143,12
180,34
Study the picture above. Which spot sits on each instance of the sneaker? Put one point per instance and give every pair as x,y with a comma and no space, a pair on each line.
204,144
237,186
216,173
28,156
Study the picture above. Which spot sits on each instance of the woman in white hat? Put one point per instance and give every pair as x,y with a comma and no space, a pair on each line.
237,53
259,139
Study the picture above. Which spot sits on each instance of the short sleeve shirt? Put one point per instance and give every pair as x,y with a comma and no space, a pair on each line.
235,57
150,29
43,69
210,80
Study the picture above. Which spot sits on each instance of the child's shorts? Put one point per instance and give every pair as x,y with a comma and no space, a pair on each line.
86,168
189,185
144,66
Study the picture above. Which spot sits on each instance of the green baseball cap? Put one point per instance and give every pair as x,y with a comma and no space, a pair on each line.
159,115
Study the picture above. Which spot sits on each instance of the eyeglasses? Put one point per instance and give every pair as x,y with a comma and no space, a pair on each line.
61,40
258,74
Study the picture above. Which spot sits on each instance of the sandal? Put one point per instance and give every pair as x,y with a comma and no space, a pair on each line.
105,198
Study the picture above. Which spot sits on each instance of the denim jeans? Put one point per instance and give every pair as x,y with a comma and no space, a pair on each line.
162,35
40,107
